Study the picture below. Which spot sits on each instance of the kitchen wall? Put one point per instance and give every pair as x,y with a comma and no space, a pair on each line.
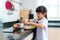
30,5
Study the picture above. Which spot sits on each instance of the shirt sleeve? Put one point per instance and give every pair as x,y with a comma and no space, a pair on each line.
45,23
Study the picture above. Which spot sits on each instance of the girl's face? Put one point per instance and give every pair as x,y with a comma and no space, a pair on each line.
40,15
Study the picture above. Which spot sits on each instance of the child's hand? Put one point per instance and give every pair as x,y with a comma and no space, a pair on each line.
26,21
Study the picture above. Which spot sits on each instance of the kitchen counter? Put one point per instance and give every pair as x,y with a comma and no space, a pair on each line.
26,35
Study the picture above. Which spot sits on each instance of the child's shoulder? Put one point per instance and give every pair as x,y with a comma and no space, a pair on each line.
45,19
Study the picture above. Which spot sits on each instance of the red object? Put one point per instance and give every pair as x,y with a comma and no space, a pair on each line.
8,5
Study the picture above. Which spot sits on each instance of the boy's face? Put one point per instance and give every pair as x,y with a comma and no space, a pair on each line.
40,15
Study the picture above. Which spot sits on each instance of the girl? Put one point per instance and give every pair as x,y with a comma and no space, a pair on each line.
41,24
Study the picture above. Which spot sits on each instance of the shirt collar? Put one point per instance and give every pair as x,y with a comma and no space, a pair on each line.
41,20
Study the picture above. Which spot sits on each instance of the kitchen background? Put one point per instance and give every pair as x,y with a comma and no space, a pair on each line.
9,17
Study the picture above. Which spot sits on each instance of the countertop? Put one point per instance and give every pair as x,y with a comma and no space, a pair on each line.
26,35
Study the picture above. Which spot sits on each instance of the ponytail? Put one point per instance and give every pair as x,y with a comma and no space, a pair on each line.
46,16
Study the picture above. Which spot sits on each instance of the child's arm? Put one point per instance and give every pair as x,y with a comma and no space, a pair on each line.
35,24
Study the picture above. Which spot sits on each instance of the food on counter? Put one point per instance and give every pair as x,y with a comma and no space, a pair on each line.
16,25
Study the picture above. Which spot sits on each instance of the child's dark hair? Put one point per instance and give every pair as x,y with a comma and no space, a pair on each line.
16,30
42,9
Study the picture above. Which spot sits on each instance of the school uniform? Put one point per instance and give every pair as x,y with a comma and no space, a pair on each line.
41,33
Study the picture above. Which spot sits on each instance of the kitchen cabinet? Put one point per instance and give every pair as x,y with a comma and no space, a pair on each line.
24,14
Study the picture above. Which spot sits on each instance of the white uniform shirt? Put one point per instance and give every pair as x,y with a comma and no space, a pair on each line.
42,33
